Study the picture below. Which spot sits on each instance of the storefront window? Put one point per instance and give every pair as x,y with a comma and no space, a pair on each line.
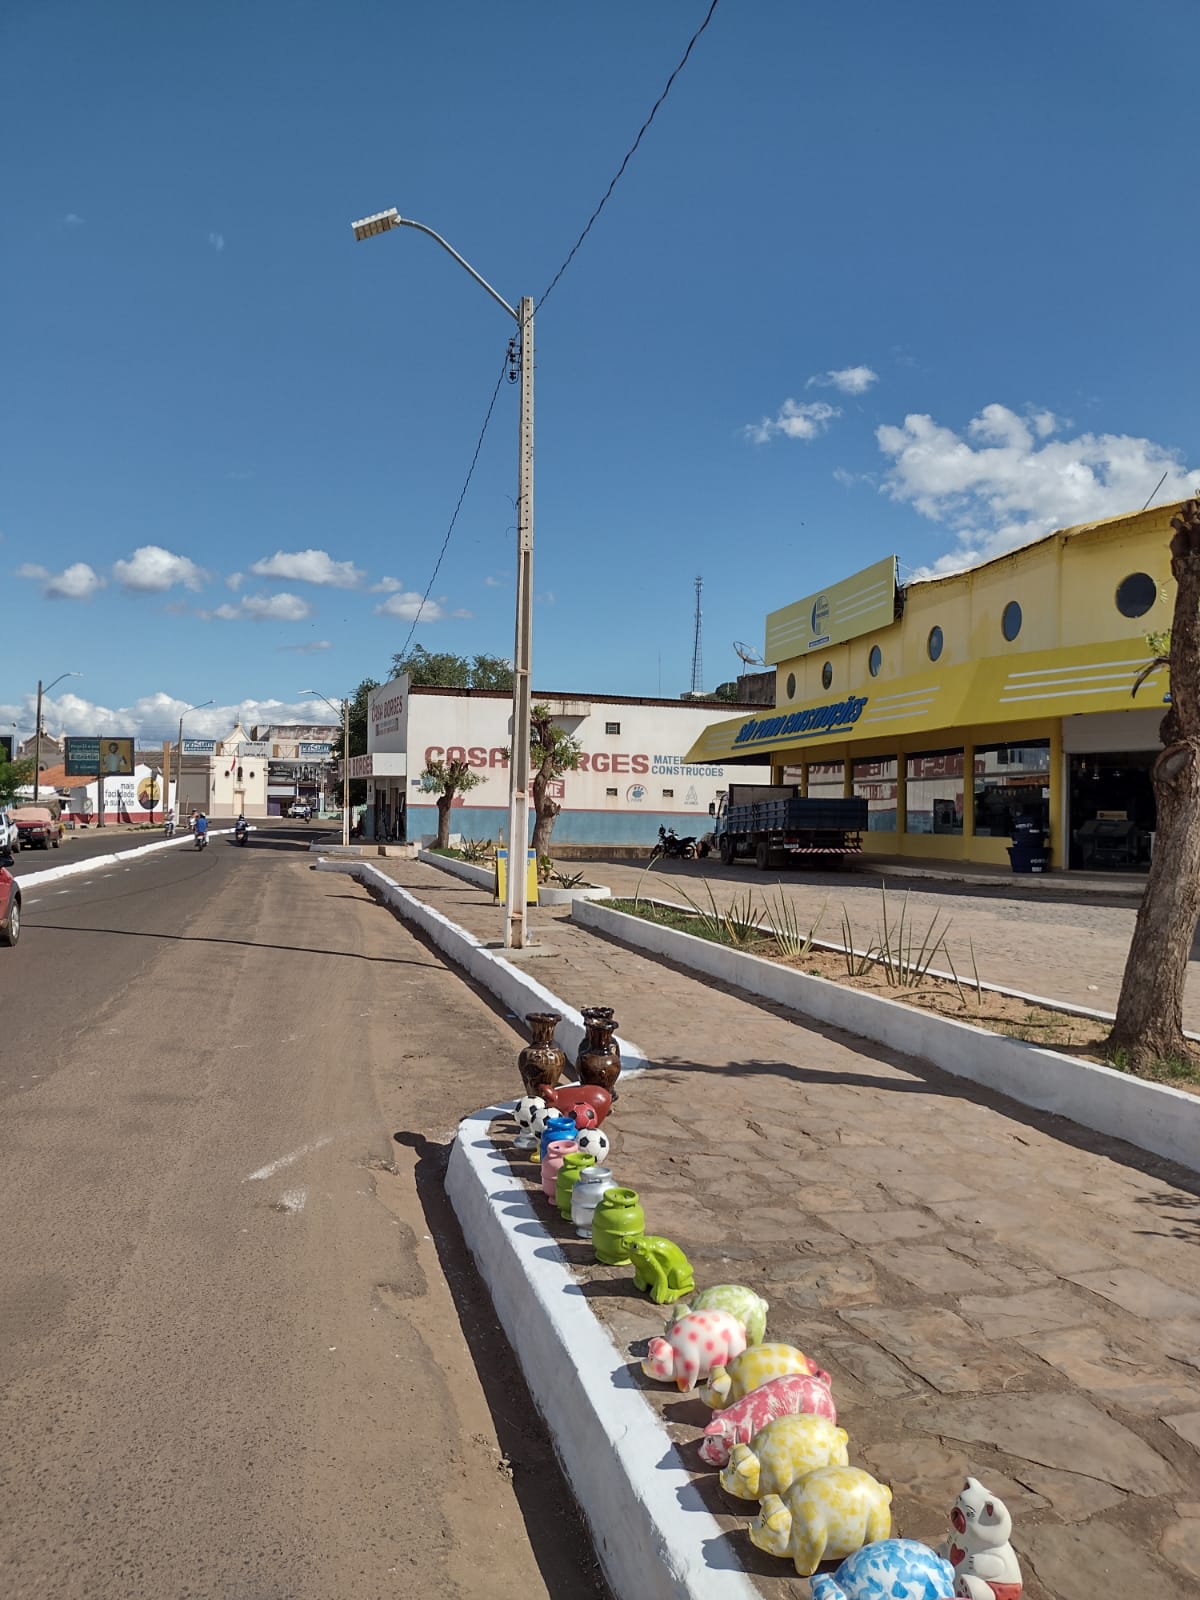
1011,781
934,792
875,782
825,780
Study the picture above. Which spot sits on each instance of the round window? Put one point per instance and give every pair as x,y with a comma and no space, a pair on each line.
934,643
1136,594
791,686
1010,623
827,674
875,661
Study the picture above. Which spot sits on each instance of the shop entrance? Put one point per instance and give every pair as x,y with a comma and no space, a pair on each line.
1112,815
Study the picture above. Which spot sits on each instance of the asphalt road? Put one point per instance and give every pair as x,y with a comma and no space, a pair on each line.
87,843
243,1352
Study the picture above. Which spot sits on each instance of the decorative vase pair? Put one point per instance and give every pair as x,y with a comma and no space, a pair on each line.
597,1063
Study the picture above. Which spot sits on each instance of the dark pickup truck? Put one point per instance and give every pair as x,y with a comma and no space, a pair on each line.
774,823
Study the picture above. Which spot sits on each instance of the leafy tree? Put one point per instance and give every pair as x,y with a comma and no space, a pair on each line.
1148,1026
14,775
443,670
552,751
446,779
727,692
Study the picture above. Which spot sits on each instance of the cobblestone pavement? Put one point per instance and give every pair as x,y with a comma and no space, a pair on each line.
1063,948
994,1291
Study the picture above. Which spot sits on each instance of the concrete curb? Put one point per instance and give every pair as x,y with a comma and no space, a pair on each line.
649,1524
488,966
483,877
70,869
1152,1116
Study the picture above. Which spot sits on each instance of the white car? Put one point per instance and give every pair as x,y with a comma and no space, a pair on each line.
9,841
302,810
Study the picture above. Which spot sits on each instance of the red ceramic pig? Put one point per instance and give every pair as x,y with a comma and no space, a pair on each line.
571,1095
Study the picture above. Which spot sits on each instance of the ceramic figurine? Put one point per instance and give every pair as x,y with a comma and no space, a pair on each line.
570,1095
750,1309
552,1165
569,1173
599,1057
979,1545
541,1062
585,1116
585,1197
892,1569
826,1516
691,1348
750,1371
523,1116
661,1268
617,1219
555,1128
594,1140
780,1397
786,1450
975,1589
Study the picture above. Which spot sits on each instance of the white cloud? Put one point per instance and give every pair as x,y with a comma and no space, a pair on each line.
264,608
309,649
386,586
309,566
406,604
795,420
72,220
846,479
217,240
1008,481
76,582
235,580
495,583
154,717
462,616
152,570
849,380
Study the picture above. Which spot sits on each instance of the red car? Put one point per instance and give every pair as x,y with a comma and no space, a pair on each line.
37,825
10,905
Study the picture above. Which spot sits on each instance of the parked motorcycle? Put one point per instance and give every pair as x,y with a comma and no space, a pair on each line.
674,848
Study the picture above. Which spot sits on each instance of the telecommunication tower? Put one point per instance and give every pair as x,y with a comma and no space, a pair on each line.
697,652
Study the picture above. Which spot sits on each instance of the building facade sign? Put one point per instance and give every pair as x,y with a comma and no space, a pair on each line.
845,610
314,749
199,747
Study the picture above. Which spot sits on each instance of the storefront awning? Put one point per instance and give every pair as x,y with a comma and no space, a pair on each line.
1001,689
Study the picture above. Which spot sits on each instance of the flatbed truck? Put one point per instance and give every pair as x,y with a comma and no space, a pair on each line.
773,823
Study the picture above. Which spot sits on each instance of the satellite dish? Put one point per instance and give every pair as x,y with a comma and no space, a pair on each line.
749,656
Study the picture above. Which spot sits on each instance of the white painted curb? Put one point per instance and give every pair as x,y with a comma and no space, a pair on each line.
485,877
70,869
1153,1116
648,1521
508,982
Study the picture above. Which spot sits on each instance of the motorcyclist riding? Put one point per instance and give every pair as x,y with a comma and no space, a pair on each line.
201,830
240,830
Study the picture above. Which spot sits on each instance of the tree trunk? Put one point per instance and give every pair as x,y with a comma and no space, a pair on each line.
444,802
546,808
1149,1021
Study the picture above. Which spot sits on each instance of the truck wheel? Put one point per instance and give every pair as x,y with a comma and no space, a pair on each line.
726,850
762,857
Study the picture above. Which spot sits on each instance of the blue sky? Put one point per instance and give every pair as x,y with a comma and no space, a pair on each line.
879,279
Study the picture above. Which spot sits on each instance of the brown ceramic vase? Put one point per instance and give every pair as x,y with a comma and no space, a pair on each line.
541,1062
599,1058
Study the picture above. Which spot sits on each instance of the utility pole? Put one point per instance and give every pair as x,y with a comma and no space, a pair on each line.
37,744
518,803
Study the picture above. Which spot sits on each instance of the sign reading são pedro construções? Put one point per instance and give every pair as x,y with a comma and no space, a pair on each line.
816,720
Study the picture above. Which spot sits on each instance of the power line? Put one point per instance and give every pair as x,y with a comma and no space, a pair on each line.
458,507
628,155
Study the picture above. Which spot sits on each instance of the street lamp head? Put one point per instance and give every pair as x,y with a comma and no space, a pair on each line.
381,222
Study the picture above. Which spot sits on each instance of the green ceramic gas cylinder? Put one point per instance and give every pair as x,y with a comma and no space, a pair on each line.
573,1165
619,1217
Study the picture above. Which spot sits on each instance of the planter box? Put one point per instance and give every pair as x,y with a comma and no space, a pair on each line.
550,895
1153,1116
485,877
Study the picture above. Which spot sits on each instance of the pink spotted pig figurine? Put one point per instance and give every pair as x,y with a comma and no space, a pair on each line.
693,1346
796,1394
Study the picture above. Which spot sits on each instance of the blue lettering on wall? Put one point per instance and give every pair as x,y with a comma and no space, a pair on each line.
816,720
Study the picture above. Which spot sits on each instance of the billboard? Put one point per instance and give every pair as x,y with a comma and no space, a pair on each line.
199,747
314,749
83,758
253,747
844,611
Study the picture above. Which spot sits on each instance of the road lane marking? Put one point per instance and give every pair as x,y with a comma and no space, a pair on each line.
273,1167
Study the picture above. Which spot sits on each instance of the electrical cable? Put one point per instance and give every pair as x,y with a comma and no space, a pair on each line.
628,155
466,485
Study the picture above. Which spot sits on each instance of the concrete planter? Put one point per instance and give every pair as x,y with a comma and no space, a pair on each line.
551,895
1153,1116
485,877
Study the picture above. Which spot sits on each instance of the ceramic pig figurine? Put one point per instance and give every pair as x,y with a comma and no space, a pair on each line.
781,1397
979,1545
691,1347
787,1449
523,1116
749,1308
750,1371
893,1569
828,1515
661,1268
569,1095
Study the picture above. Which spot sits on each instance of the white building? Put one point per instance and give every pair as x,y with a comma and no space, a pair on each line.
631,777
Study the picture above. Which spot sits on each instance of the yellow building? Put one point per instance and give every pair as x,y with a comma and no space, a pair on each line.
957,706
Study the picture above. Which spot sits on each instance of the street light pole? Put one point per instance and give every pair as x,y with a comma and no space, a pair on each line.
515,929
179,761
345,715
37,729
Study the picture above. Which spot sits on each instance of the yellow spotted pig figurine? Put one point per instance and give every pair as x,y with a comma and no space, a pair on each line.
787,1449
751,1370
826,1516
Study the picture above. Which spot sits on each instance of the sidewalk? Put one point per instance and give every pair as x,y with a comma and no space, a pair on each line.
994,1291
